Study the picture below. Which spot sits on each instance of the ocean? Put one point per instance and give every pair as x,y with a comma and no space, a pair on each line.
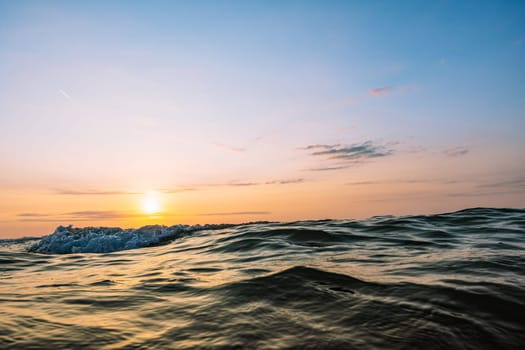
447,281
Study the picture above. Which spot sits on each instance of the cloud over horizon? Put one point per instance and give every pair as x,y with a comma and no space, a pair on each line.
520,182
93,192
85,215
237,213
174,190
97,215
402,181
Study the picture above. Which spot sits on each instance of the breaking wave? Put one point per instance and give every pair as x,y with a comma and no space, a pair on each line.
68,239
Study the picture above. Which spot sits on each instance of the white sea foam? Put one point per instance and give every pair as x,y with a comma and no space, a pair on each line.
68,239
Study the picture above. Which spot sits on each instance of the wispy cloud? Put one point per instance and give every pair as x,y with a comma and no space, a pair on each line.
205,186
373,93
236,213
355,152
505,184
241,184
484,194
86,215
93,192
181,189
402,181
456,151
414,149
65,94
380,91
319,146
177,190
364,183
32,215
56,220
329,168
229,148
284,182
345,156
251,183
100,214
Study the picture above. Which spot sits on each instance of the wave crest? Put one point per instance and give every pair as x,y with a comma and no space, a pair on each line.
69,239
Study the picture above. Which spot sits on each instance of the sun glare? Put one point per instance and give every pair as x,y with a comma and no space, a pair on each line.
151,203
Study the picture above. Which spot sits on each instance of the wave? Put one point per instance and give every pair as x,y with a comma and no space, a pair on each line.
439,230
69,239
382,315
446,281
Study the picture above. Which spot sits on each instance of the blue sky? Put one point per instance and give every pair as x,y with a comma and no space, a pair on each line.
138,96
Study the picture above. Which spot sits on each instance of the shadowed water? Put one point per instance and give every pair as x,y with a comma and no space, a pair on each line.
450,281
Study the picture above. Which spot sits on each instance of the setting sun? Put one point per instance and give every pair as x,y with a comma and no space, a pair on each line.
151,203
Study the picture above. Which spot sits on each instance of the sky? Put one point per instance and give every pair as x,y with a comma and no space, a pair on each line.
129,113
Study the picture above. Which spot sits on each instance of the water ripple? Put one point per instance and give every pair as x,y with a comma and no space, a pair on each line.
448,281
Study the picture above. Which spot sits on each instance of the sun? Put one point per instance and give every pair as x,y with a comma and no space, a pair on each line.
151,203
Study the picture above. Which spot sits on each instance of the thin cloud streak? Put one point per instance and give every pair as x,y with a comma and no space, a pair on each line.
177,190
329,168
237,213
174,190
229,148
484,194
65,94
32,215
57,220
456,151
402,181
101,214
97,215
319,146
508,183
93,192
285,182
347,156
355,152
251,184
381,91
86,215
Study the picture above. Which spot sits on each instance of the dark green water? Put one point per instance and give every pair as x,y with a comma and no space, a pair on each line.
450,281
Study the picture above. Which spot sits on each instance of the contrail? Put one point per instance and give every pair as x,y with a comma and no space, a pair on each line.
65,94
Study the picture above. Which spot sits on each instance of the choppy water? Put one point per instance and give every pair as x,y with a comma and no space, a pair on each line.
450,281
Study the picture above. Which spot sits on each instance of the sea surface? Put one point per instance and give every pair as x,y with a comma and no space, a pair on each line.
449,281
